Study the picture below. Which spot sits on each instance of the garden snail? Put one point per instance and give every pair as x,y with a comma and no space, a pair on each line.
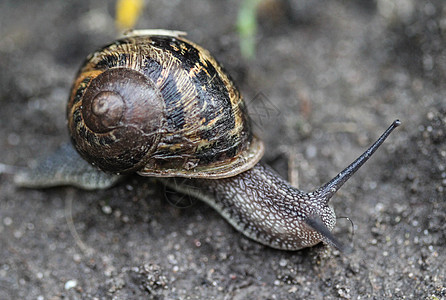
159,105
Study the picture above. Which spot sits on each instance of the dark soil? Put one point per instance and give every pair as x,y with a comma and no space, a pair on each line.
328,77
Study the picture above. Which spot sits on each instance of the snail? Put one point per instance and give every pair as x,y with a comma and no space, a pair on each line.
159,105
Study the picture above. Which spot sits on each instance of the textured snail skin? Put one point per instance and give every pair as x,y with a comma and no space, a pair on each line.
264,207
65,167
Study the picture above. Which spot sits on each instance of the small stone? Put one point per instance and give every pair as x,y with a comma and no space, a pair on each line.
106,209
70,284
283,262
7,221
77,258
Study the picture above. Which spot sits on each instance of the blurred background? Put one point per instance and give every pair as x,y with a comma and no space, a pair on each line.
322,80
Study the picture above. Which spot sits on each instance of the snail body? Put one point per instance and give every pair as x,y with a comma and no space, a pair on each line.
159,105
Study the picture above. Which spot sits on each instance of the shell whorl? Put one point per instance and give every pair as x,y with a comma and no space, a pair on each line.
116,126
191,118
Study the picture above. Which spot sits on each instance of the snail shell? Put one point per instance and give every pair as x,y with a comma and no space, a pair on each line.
162,106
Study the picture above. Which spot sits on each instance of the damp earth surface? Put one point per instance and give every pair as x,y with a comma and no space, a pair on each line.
326,79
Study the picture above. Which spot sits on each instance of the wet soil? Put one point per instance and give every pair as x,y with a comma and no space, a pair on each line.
327,79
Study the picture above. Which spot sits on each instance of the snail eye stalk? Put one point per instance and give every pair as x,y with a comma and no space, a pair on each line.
330,188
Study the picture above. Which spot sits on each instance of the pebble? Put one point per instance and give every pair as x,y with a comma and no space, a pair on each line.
70,284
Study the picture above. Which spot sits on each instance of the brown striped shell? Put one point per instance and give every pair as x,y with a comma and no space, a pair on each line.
160,105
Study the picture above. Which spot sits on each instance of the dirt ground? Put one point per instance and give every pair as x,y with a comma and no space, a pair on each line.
328,77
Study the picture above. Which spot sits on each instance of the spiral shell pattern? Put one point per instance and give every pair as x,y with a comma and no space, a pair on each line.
160,105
